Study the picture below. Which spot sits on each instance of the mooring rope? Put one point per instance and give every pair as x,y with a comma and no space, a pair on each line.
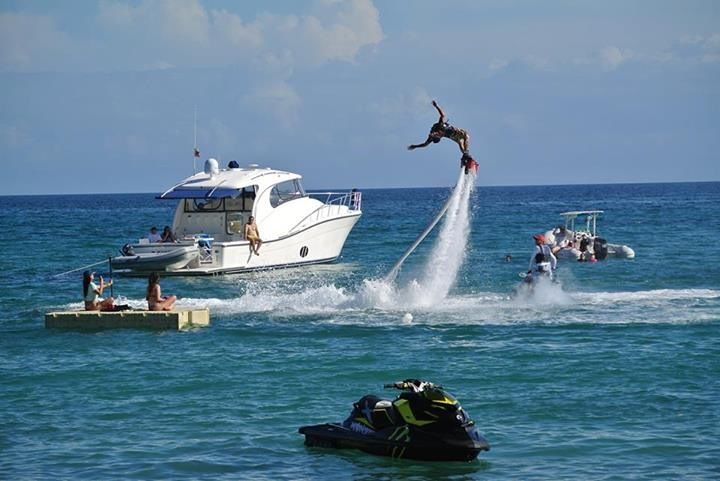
81,268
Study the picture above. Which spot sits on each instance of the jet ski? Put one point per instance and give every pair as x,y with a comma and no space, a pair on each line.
541,274
424,422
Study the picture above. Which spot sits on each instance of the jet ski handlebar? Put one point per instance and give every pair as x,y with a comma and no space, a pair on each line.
414,385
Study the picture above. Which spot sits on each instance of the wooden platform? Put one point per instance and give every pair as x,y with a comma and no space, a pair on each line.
180,319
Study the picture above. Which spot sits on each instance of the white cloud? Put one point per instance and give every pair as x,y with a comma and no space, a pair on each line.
497,65
140,35
711,48
409,104
279,100
612,57
696,48
185,32
32,42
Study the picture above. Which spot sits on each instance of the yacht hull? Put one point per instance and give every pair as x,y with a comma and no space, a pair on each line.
320,243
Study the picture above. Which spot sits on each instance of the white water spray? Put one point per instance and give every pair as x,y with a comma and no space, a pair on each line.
443,263
448,253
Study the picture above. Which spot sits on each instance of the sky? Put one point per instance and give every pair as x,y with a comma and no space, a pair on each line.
107,96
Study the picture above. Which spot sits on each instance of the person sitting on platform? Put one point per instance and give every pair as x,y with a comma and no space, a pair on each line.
252,235
92,293
168,235
156,301
153,236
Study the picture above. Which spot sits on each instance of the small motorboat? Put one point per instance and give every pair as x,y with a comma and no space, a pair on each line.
424,422
578,240
147,257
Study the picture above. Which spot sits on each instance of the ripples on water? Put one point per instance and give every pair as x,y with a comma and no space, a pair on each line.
613,376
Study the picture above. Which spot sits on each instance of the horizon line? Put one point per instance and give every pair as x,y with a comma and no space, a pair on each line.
391,188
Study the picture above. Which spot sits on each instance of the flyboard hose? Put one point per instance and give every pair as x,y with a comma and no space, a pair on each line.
392,274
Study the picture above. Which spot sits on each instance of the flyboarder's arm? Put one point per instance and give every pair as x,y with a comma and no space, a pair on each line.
424,144
442,114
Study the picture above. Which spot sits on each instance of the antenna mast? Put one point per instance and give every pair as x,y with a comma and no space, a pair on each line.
196,152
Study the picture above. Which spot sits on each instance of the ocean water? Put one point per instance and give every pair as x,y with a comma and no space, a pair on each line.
613,376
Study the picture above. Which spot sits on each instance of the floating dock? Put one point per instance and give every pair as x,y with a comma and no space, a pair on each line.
180,319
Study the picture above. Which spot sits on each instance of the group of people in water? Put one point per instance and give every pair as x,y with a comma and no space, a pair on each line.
92,293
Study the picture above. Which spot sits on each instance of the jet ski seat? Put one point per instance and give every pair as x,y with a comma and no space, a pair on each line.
376,412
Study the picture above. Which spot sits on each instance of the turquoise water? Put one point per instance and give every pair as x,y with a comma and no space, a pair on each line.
615,376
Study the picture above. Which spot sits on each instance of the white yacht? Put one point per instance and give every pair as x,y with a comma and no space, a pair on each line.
213,207
578,239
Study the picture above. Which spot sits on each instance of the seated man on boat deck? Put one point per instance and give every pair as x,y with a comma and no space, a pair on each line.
252,235
154,236
168,235
92,293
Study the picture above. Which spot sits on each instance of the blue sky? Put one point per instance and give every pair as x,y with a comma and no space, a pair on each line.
99,96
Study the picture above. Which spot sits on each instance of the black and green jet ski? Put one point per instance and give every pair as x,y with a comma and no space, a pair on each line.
424,422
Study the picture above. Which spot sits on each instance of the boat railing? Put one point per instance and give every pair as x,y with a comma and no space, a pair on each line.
352,199
333,203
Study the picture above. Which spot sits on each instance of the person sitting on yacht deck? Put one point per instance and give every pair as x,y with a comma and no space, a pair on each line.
441,129
153,236
168,235
156,301
92,293
252,235
547,255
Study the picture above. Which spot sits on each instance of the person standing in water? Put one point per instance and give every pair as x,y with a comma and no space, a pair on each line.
252,235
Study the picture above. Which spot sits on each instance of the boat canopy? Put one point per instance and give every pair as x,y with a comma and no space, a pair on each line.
590,220
200,193
581,212
226,183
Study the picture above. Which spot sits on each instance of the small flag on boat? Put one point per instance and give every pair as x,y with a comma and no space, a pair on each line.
196,152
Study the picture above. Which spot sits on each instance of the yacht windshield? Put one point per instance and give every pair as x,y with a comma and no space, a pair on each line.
286,191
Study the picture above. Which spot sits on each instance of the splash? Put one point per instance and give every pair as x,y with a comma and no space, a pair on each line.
544,293
334,305
448,253
441,268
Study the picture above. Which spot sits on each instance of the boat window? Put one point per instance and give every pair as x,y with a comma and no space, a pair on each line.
203,205
286,191
243,202
235,223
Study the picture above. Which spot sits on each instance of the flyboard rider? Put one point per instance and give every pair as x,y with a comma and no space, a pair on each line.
542,262
441,129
